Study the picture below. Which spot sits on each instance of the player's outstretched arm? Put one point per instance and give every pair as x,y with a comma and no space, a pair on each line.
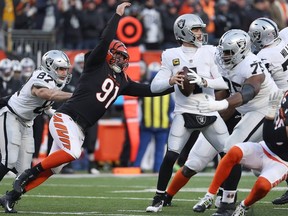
50,94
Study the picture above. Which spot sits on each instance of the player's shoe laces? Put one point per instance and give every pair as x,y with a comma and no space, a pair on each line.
204,203
22,180
225,209
281,200
241,210
9,200
157,203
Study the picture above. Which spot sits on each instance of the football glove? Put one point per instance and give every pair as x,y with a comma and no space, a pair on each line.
274,103
195,78
212,105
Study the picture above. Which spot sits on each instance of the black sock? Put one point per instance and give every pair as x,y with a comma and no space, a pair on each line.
36,170
3,171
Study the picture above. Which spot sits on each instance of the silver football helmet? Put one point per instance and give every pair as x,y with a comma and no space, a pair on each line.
79,62
183,26
263,32
6,71
28,66
234,46
16,66
54,59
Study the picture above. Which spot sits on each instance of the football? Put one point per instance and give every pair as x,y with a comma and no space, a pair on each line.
186,88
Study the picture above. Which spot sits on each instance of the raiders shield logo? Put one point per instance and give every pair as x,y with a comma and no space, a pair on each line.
201,120
256,35
181,23
49,62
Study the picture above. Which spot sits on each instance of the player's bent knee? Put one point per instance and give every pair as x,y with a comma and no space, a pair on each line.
188,173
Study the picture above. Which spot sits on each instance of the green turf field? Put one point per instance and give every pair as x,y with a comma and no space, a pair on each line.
125,195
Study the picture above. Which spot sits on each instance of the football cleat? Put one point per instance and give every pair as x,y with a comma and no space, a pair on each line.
281,200
22,180
225,209
10,200
157,203
167,200
204,203
241,210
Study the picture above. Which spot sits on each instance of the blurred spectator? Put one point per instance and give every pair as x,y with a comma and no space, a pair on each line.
25,12
47,16
187,7
8,85
28,66
17,69
152,26
224,20
169,15
277,14
208,7
72,21
109,9
155,124
259,8
238,8
93,23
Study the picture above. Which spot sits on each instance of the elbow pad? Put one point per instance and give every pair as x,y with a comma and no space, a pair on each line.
247,92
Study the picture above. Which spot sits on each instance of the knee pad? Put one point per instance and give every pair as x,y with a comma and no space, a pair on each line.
188,173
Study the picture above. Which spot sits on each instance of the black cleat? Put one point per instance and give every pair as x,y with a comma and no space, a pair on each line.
10,200
22,180
281,200
167,200
157,203
225,209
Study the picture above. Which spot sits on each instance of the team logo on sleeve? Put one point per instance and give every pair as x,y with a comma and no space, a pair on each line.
176,62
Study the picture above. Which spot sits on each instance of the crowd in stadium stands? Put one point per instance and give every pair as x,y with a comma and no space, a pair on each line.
78,23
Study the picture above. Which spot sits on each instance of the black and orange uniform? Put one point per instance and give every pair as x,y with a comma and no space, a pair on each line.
99,85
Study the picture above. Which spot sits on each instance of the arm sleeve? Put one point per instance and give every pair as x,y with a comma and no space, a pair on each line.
143,90
98,54
217,84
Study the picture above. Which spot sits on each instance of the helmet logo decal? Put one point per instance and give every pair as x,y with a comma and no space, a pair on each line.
49,62
241,43
256,35
181,23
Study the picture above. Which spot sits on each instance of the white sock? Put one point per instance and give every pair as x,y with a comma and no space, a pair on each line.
228,196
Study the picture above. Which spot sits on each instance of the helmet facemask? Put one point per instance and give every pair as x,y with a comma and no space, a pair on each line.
233,47
117,56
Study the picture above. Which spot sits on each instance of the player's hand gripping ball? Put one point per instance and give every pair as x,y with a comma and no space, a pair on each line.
186,88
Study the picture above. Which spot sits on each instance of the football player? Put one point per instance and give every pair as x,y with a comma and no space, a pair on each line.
102,80
18,113
250,85
268,159
272,47
188,30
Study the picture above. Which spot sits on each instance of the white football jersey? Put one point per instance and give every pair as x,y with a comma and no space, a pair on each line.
283,34
275,58
251,66
28,106
200,60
